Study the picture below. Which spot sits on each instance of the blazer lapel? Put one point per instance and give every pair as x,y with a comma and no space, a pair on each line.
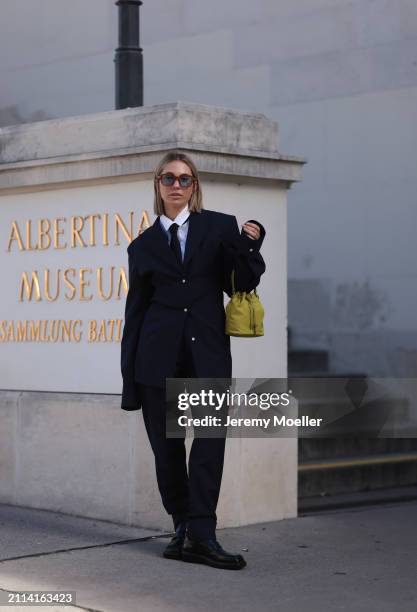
197,229
159,244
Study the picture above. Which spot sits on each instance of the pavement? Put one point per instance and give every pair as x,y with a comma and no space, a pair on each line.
356,560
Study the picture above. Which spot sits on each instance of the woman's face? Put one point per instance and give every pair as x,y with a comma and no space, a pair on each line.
175,196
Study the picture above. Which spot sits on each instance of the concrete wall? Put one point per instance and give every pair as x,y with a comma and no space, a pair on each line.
80,455
340,76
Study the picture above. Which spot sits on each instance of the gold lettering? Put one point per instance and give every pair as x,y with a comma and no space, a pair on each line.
44,226
54,330
122,281
111,325
69,283
44,325
58,275
84,283
92,330
34,331
102,337
15,235
22,329
58,232
76,335
75,231
92,218
100,283
29,246
10,332
105,229
51,232
105,332
66,330
119,330
30,286
24,285
120,223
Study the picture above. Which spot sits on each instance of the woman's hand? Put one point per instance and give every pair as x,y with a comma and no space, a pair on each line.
252,230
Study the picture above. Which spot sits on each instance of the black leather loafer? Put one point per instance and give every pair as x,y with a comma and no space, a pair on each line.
211,553
174,548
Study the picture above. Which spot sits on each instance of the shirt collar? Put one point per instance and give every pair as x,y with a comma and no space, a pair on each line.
179,219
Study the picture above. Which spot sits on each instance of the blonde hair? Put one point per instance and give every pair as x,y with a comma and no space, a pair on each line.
196,200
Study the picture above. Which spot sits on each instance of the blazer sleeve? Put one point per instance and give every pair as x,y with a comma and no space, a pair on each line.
241,253
137,302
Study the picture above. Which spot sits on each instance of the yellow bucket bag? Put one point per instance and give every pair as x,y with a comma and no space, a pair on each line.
244,314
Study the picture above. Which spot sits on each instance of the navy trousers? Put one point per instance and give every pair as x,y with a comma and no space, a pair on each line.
191,496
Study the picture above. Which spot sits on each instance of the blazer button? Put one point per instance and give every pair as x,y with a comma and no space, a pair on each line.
193,338
251,250
183,280
185,309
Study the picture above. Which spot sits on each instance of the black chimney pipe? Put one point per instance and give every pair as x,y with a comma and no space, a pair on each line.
128,56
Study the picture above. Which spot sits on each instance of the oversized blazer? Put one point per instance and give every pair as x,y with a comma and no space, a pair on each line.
168,299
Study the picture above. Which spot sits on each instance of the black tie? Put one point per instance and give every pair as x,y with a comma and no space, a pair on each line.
175,243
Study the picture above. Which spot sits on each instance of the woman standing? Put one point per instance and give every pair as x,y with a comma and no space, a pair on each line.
175,327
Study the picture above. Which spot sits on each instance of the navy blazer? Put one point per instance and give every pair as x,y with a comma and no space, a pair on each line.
167,299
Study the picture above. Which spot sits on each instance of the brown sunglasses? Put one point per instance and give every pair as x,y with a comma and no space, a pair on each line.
168,179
